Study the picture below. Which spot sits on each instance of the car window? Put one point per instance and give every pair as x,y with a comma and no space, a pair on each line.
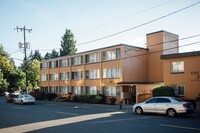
179,100
164,100
154,100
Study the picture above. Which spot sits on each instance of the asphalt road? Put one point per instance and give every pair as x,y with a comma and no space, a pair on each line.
56,117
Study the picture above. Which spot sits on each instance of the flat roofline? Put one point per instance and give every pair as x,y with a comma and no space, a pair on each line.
117,45
126,83
180,55
161,31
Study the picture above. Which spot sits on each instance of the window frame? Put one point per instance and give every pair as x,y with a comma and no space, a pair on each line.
111,91
177,65
177,89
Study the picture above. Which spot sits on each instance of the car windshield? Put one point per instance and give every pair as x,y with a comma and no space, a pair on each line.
13,96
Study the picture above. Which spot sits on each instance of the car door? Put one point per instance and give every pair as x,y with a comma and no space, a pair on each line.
162,105
150,105
18,100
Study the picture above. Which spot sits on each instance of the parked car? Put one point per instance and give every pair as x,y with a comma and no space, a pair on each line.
6,93
10,98
163,105
24,98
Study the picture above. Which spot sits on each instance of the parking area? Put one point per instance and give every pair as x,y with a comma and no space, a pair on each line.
48,116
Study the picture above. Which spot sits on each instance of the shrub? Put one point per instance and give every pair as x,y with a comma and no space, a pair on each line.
51,96
84,98
74,98
163,91
112,100
98,99
40,95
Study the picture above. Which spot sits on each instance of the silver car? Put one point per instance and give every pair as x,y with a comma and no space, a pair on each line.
24,98
163,105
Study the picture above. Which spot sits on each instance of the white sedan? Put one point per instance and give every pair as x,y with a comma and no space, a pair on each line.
24,98
163,105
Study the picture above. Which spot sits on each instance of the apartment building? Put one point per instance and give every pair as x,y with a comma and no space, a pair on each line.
182,72
125,72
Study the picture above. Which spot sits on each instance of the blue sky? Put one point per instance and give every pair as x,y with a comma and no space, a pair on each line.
93,19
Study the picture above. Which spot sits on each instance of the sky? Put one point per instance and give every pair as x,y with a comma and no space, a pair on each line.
94,19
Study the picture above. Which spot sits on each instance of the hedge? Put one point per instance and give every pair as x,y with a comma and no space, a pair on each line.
163,91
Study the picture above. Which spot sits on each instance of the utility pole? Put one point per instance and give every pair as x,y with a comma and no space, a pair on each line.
24,45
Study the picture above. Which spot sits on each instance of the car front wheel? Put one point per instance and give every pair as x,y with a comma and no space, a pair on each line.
171,112
138,110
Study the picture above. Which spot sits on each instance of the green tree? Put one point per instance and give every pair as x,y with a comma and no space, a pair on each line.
3,52
33,74
47,56
68,44
3,82
54,54
36,55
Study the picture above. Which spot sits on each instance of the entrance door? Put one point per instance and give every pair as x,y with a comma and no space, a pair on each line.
133,93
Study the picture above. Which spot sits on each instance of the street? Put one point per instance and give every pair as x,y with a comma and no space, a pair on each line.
51,117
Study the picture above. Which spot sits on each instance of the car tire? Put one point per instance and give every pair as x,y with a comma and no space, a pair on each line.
138,110
14,101
171,113
22,102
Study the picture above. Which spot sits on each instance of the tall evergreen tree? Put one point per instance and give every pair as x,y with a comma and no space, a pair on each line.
54,54
47,55
35,55
68,44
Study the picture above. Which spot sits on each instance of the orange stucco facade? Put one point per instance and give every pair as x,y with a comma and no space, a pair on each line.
125,72
189,78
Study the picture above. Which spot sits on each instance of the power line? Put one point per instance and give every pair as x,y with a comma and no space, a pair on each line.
123,18
161,50
98,39
185,38
189,37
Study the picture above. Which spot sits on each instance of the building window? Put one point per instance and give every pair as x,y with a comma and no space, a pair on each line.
53,89
93,74
93,90
179,89
44,89
92,58
111,54
54,64
64,62
78,90
111,90
177,67
64,76
77,75
44,77
65,90
111,73
44,65
53,77
77,60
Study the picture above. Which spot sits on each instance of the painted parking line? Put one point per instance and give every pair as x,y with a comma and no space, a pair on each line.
18,107
66,113
174,126
121,120
52,123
